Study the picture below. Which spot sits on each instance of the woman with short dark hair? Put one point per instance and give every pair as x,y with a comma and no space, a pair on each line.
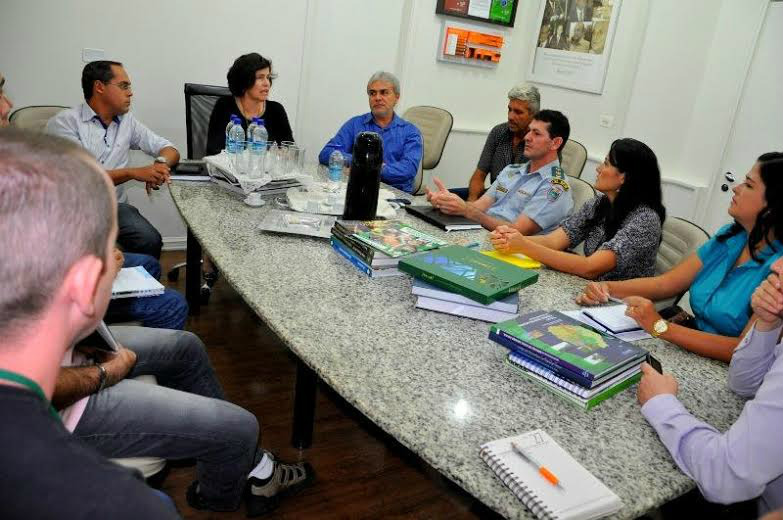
249,80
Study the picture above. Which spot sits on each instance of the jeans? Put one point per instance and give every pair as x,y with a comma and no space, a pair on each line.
166,311
136,234
184,416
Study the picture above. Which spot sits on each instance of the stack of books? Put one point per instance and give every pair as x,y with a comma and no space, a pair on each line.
457,280
571,359
375,247
432,298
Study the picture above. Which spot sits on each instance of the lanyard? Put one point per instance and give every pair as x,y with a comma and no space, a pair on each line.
30,385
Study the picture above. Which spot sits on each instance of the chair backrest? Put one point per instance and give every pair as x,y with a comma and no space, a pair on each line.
34,117
581,191
435,126
573,157
680,238
199,102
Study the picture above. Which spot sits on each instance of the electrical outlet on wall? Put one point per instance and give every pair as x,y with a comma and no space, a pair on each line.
606,120
89,55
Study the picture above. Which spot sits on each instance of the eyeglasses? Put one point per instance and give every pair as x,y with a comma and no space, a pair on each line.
124,86
2,84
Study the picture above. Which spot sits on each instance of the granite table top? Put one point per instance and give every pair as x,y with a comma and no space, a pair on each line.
434,381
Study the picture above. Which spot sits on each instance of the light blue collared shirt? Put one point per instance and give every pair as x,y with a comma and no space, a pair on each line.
746,461
535,195
109,145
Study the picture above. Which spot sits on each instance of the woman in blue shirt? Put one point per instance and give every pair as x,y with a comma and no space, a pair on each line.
720,276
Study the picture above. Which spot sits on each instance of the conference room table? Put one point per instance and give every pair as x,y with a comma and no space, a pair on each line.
433,381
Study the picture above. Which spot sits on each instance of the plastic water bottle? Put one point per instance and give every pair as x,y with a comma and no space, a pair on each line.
233,120
336,162
257,137
236,148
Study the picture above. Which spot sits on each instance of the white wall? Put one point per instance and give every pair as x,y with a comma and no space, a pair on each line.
674,79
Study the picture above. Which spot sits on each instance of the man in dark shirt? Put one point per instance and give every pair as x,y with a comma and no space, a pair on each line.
55,289
505,142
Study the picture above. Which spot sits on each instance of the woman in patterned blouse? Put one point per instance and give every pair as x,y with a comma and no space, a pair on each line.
620,227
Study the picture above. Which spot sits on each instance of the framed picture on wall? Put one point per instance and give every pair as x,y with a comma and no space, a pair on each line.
573,43
500,12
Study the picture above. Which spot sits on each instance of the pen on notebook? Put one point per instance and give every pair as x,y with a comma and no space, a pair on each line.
615,300
548,475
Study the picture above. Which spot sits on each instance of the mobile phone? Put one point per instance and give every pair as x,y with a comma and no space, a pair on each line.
404,202
654,363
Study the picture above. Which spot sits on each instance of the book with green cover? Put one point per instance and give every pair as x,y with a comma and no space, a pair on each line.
468,272
555,338
392,237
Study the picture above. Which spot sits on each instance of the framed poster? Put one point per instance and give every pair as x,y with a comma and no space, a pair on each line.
470,44
573,43
500,12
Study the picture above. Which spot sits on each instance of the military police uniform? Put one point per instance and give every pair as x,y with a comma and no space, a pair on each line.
544,195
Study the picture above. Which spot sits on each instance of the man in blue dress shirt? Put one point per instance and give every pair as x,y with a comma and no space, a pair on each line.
104,126
402,148
533,197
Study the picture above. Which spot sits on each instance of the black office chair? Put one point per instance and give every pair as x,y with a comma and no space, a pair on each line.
199,102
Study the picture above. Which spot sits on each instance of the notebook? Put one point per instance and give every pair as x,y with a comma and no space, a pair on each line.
441,220
517,259
132,282
613,318
581,495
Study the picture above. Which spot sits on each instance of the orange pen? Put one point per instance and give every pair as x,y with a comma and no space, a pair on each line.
548,475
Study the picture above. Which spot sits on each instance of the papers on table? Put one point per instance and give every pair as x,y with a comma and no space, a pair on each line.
634,335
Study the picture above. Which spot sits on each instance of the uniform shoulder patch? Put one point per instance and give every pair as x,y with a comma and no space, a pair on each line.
554,192
560,182
558,173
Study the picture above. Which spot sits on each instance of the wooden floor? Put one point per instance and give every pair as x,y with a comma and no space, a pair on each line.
361,472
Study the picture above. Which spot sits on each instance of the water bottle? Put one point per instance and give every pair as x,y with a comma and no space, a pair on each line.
364,182
336,162
236,145
233,120
257,137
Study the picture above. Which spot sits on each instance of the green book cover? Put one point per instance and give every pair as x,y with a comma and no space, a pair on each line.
392,237
571,343
585,404
468,272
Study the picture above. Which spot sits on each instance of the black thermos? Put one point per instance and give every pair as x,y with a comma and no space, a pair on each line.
364,181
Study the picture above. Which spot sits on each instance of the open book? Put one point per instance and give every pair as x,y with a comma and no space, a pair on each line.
579,496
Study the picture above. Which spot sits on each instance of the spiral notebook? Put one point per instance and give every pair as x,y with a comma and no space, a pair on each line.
133,282
581,496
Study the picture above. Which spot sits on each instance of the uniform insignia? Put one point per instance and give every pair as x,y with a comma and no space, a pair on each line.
554,192
523,192
558,173
560,182
502,189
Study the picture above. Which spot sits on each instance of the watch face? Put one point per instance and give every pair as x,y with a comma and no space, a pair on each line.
660,326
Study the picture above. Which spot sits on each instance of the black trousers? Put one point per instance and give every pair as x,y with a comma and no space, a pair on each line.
136,234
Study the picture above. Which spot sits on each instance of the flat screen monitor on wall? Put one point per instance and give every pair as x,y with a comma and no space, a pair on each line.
500,12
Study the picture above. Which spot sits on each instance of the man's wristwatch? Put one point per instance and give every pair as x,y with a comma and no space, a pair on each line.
101,377
161,159
659,327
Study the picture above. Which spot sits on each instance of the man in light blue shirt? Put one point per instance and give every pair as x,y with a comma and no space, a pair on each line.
104,126
746,461
533,197
402,146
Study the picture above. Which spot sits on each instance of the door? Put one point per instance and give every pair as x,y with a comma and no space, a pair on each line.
757,127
